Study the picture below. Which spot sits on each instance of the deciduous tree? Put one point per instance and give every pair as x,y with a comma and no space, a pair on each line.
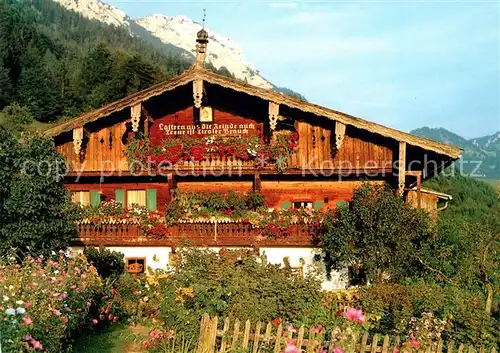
35,210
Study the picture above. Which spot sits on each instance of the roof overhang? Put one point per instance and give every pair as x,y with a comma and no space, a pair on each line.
440,195
196,73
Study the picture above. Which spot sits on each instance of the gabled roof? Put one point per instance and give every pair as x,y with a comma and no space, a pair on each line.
197,72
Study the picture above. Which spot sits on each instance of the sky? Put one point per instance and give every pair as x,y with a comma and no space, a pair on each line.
403,64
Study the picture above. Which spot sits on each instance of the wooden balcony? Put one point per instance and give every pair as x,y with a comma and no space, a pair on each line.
199,234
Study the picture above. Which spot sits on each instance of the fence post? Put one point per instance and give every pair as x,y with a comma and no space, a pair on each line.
246,335
225,330
374,344
256,337
236,333
300,337
385,345
277,344
450,346
267,335
208,335
364,340
439,348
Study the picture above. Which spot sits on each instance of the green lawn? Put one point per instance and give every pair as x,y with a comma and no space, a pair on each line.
119,339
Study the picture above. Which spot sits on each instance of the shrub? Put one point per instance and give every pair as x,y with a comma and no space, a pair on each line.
35,208
46,304
378,232
107,262
399,307
242,286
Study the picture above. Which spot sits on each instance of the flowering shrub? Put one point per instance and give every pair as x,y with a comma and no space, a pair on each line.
195,205
427,328
43,303
151,222
456,313
244,208
164,152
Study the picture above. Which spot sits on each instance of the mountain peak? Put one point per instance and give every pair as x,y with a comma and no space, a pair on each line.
222,51
177,31
97,10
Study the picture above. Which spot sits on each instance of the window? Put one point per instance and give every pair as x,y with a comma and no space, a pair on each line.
135,265
137,197
81,197
302,204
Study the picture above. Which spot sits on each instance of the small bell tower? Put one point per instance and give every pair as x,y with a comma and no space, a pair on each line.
201,44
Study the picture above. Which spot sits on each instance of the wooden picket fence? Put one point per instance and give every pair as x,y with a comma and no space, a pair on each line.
243,338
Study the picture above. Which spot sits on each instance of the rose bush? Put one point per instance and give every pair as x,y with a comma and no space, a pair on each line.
43,304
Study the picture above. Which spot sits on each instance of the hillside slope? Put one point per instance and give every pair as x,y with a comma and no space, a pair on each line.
481,157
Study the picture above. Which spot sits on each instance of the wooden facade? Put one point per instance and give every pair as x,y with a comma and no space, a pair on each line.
334,155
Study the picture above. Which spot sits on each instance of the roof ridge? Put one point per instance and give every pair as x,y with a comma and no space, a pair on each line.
197,72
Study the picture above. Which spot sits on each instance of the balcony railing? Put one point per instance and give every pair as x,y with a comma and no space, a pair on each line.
196,233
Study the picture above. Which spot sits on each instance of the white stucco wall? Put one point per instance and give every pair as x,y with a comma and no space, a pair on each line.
157,258
276,255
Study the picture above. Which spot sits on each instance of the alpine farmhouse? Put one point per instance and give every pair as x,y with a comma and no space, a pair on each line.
213,131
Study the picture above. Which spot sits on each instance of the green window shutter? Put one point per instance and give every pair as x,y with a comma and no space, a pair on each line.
151,199
318,204
285,205
120,196
95,198
342,204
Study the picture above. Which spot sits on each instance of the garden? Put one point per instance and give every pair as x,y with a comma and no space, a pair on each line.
56,304
419,281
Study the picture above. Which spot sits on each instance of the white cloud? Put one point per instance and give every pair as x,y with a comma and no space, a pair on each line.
283,5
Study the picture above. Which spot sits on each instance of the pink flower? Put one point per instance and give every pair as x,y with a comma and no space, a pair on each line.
355,315
37,345
291,347
64,319
338,349
290,328
414,342
317,329
27,305
95,321
395,350
57,313
27,321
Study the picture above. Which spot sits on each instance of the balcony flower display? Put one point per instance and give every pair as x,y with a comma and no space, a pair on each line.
159,153
191,206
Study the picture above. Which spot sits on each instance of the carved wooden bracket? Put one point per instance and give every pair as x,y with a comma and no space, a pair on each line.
274,111
339,134
197,92
135,116
402,168
77,140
